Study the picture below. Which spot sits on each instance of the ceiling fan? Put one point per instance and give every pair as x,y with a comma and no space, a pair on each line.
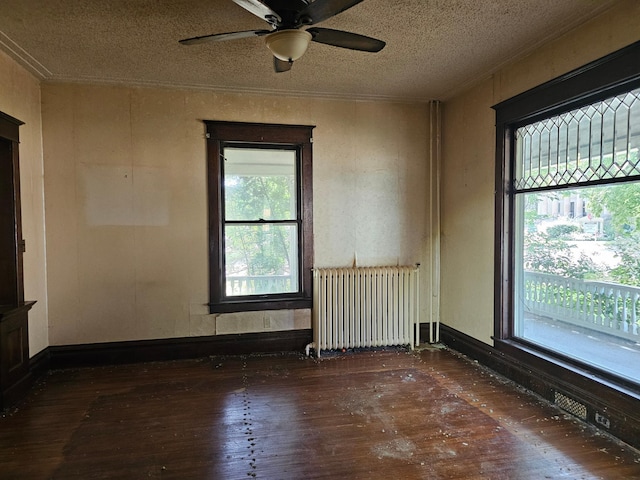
286,39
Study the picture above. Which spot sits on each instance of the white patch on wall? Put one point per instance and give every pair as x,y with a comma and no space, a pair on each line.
124,195
263,321
241,322
202,325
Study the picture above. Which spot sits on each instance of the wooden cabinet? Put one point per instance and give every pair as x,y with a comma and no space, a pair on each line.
14,353
14,325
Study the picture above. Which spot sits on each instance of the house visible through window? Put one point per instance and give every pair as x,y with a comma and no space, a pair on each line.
260,216
568,220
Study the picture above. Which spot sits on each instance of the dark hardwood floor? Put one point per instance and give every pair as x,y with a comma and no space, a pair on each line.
387,414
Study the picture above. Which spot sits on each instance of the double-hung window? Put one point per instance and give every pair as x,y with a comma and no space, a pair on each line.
568,220
260,216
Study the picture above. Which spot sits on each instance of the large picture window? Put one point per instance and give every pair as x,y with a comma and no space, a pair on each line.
568,221
260,216
577,214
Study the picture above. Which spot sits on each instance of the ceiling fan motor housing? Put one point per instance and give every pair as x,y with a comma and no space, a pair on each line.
288,45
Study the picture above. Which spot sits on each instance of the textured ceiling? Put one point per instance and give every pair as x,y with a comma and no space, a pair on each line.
434,47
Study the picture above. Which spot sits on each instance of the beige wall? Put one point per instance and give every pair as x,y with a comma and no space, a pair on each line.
468,162
126,194
20,98
126,202
126,197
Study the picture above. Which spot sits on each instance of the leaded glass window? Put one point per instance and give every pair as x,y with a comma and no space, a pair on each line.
592,143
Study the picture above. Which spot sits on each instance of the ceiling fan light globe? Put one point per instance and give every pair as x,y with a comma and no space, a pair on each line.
288,45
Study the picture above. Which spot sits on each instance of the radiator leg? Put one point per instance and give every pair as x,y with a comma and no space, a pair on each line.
308,348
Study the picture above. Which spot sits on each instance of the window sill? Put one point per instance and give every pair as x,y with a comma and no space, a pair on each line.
260,304
565,370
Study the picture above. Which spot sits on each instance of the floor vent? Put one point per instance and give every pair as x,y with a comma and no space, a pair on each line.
570,405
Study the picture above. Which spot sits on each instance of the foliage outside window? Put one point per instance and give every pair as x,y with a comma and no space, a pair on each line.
260,216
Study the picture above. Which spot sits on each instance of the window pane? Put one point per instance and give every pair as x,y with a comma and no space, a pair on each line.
259,184
595,142
261,259
577,280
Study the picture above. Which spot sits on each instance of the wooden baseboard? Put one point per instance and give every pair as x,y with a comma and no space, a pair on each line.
39,363
615,406
69,356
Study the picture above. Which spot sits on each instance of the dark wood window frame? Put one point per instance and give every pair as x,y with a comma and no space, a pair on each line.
608,76
298,137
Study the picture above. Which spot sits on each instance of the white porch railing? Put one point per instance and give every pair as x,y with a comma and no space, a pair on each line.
260,285
607,307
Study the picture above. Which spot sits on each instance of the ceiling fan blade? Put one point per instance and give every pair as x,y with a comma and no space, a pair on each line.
280,65
320,10
260,9
219,37
352,41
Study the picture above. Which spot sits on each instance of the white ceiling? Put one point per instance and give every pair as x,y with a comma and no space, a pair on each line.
434,47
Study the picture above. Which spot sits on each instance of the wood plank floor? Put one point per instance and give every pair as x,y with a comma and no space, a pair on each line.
368,415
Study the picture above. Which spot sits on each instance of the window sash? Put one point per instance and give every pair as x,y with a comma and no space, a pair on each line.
569,296
265,274
599,141
255,173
